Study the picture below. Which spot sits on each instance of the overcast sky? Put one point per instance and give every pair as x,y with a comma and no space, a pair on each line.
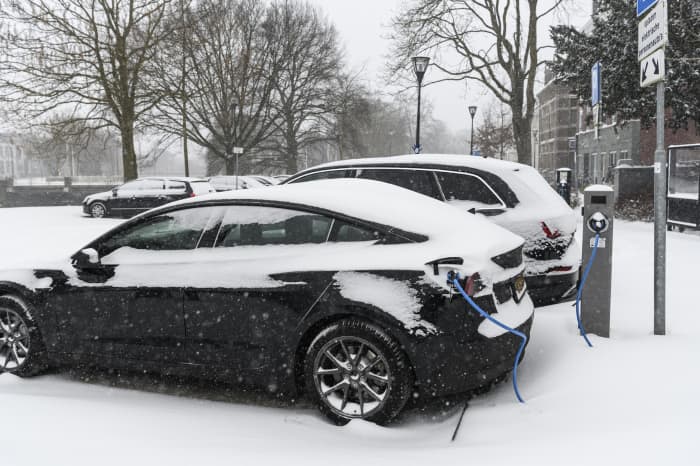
364,24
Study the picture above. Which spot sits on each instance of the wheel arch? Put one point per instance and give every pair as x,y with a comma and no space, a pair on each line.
324,319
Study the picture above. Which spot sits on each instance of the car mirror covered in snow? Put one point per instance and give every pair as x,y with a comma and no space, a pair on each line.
87,257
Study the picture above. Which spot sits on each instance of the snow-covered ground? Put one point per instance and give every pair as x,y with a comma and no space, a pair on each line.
632,399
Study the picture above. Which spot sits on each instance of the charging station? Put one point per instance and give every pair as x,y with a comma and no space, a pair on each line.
598,214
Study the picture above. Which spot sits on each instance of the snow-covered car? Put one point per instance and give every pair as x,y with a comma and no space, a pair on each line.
229,182
142,194
512,195
337,289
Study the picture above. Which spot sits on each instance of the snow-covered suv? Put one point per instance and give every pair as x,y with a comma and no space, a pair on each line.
512,195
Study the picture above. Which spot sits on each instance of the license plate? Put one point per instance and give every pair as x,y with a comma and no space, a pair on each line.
519,287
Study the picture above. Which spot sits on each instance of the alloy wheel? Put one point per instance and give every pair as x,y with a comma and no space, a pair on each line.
352,377
98,210
14,340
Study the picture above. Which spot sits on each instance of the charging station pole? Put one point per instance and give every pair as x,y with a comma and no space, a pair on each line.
598,214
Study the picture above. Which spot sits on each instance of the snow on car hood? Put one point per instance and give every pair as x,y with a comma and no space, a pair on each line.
103,196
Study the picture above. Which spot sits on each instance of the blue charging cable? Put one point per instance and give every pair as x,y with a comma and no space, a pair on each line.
486,315
580,290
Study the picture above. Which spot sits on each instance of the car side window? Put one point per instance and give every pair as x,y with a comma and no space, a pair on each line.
325,175
258,226
176,186
465,187
152,184
177,230
420,181
349,232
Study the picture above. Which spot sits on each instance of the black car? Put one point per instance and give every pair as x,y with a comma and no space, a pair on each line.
138,196
512,195
284,288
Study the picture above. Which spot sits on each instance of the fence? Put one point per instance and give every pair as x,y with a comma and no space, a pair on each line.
52,191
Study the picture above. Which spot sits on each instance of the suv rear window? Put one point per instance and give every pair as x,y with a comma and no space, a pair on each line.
465,187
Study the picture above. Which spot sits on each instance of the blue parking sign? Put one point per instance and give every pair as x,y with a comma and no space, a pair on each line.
595,84
644,5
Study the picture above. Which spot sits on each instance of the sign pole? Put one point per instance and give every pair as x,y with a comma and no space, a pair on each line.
660,191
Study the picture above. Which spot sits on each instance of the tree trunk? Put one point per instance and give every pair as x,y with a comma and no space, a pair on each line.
128,151
521,134
231,165
292,156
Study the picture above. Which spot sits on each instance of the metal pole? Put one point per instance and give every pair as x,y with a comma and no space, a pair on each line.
471,139
236,170
501,136
185,151
418,120
660,217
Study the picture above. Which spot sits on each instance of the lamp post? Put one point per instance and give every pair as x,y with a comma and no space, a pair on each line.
472,112
420,64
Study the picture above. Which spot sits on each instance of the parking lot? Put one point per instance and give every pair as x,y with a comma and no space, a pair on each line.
631,399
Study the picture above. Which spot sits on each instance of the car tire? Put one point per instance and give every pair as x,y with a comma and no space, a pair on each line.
22,349
98,210
354,370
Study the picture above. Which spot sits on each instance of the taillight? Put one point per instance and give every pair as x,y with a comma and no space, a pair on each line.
549,233
473,284
192,194
560,269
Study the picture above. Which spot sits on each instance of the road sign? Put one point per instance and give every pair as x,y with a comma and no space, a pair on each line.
653,31
596,121
572,143
595,84
652,69
644,5
237,150
477,152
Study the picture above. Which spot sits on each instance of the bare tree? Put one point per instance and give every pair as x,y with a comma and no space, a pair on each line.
494,136
307,77
507,65
87,56
67,147
232,62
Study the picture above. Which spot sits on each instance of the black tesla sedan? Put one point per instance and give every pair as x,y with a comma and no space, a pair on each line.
143,194
333,288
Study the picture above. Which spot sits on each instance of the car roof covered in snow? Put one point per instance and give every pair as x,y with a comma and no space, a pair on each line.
376,202
525,181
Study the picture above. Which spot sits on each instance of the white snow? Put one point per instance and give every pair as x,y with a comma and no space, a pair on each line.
509,313
392,296
631,399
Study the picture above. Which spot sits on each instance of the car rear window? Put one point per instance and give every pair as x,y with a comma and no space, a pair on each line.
201,187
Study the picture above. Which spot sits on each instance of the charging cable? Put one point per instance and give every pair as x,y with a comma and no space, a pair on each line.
454,279
580,290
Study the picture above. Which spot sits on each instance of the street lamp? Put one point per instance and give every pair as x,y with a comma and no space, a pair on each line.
472,112
420,64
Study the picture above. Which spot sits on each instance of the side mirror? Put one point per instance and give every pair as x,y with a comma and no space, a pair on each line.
86,258
114,192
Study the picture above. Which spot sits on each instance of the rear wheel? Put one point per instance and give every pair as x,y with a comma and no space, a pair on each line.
354,370
22,350
98,210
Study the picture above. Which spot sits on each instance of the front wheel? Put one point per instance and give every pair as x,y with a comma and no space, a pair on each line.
98,210
354,370
22,350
